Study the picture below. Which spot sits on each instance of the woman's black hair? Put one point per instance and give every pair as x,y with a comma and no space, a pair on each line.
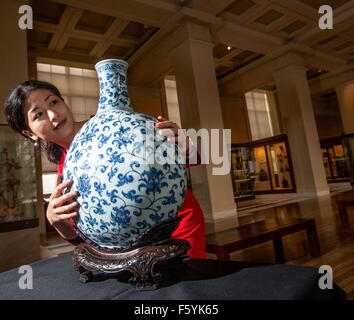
14,112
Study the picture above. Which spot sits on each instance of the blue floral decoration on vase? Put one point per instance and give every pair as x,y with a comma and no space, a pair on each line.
129,178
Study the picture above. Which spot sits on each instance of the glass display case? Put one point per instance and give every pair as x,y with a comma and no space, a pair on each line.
262,175
335,159
242,172
273,169
348,147
262,166
18,194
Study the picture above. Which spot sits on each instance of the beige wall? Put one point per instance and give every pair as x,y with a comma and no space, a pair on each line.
345,93
146,100
13,50
151,107
235,118
327,116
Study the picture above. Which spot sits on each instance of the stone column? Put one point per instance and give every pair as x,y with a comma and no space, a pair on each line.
299,124
200,107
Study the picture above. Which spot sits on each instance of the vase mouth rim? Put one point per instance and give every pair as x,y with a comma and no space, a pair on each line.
110,60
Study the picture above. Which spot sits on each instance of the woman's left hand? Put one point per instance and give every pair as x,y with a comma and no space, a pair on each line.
171,130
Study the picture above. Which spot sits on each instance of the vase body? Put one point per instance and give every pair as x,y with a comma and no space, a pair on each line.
128,177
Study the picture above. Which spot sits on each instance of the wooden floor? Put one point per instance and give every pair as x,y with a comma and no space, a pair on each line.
336,242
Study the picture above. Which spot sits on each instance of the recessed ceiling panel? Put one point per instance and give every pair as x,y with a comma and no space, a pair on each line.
39,38
343,46
47,11
244,55
328,40
295,26
134,30
79,45
94,22
240,7
221,50
115,50
269,17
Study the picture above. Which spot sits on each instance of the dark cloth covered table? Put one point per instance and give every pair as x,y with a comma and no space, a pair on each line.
56,278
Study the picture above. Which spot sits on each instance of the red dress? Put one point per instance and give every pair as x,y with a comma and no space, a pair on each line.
190,228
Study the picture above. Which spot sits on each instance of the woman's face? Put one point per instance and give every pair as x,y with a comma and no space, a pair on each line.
48,117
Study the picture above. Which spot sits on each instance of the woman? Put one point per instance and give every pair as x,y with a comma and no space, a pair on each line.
36,110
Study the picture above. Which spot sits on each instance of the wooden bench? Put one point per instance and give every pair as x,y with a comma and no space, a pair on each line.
225,242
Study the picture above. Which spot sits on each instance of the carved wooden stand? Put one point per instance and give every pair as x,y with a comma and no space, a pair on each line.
154,245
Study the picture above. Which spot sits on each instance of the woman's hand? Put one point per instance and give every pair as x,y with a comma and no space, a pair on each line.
174,135
59,211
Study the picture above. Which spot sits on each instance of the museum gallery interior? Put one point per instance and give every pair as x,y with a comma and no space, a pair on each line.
266,70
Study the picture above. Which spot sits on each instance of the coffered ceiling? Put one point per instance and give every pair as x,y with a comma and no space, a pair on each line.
243,31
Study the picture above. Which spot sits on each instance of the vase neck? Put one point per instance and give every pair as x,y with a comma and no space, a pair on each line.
112,77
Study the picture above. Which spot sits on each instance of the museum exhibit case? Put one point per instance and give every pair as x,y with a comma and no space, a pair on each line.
348,147
262,166
18,196
336,158
273,167
242,172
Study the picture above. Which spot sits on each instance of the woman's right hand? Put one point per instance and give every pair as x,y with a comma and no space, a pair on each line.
59,211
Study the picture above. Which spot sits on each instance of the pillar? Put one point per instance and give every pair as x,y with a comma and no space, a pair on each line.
200,107
300,125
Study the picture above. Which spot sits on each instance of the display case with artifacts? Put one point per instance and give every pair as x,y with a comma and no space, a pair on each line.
242,172
335,160
262,177
339,161
326,163
273,169
279,166
18,194
262,166
348,147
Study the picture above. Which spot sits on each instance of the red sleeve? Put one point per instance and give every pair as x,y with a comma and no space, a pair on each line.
192,227
60,165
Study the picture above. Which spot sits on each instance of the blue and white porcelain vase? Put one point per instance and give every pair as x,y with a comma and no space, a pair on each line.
129,178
